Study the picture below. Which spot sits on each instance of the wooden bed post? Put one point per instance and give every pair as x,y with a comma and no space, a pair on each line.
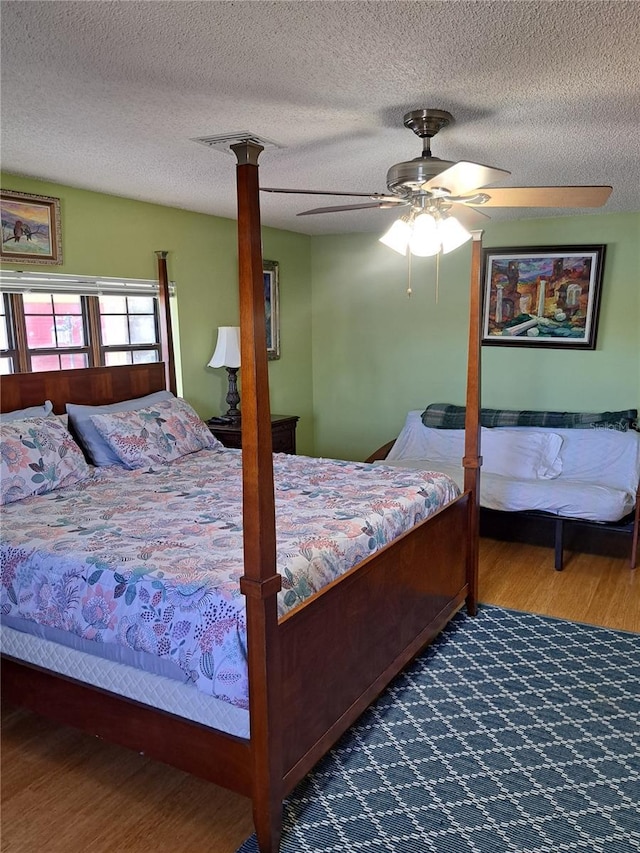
472,460
260,582
166,335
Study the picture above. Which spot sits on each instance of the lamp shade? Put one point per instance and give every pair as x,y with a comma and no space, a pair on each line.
397,237
452,234
227,351
425,240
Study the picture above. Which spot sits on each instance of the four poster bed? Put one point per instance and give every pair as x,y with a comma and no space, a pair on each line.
311,670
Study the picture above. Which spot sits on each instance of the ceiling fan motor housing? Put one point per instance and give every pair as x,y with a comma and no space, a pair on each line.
407,177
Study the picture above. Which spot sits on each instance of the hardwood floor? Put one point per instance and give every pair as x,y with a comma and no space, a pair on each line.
591,588
65,792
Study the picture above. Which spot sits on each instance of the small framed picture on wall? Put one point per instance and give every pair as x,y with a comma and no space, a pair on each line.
272,307
31,228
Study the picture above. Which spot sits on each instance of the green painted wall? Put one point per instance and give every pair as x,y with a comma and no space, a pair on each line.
112,236
377,353
357,353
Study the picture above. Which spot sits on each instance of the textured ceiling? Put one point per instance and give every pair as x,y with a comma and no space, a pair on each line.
109,95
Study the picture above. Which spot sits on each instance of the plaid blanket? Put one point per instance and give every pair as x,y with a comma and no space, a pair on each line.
447,416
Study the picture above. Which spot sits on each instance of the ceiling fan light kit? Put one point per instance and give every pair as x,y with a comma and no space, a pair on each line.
441,193
425,234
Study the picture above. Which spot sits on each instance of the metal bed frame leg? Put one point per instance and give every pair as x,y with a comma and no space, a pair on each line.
559,544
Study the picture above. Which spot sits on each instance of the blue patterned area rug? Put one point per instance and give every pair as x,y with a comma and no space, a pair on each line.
512,732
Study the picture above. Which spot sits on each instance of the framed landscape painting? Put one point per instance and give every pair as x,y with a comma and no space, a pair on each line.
270,270
30,228
542,297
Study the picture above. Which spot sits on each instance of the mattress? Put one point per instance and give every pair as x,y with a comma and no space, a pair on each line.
157,691
569,498
589,474
144,565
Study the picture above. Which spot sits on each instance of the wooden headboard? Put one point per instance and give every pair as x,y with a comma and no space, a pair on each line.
93,386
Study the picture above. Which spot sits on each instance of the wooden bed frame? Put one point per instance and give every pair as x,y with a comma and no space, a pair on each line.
313,672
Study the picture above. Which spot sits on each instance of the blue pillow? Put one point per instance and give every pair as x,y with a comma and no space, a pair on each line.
32,412
97,449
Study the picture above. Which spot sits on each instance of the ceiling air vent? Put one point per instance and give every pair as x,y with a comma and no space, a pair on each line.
224,141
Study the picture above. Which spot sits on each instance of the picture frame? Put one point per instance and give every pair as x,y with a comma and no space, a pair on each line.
271,276
540,296
31,228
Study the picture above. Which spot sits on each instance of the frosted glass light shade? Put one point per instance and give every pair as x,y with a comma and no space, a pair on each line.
227,351
452,234
425,240
397,237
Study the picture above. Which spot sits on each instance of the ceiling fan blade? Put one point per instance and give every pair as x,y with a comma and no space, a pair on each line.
318,192
461,213
336,209
541,197
463,177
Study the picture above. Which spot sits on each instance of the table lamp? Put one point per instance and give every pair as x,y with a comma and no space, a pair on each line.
227,354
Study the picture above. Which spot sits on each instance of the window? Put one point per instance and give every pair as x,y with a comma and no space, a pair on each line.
56,331
129,329
52,329
7,348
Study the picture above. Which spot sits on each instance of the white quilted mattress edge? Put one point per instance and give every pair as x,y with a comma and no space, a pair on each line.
183,700
568,498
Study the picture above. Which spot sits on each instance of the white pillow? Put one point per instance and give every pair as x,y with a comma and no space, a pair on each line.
416,441
521,454
604,456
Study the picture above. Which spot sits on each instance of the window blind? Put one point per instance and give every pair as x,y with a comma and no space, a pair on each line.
33,282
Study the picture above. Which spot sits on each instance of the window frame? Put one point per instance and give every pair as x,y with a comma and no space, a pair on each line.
131,348
12,350
21,353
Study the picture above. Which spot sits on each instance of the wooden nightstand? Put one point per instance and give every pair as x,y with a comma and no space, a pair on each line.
283,433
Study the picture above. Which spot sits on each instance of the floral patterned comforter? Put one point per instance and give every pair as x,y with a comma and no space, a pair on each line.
151,559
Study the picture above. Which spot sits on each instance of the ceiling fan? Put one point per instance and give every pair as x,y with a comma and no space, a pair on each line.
449,195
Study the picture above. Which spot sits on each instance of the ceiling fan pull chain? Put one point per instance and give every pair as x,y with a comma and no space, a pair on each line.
437,277
409,290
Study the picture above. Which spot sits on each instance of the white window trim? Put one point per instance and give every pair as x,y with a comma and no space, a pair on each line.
32,282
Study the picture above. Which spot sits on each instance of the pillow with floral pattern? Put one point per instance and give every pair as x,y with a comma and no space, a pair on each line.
158,434
38,455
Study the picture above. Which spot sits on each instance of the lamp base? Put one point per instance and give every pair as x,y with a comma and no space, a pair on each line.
233,398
